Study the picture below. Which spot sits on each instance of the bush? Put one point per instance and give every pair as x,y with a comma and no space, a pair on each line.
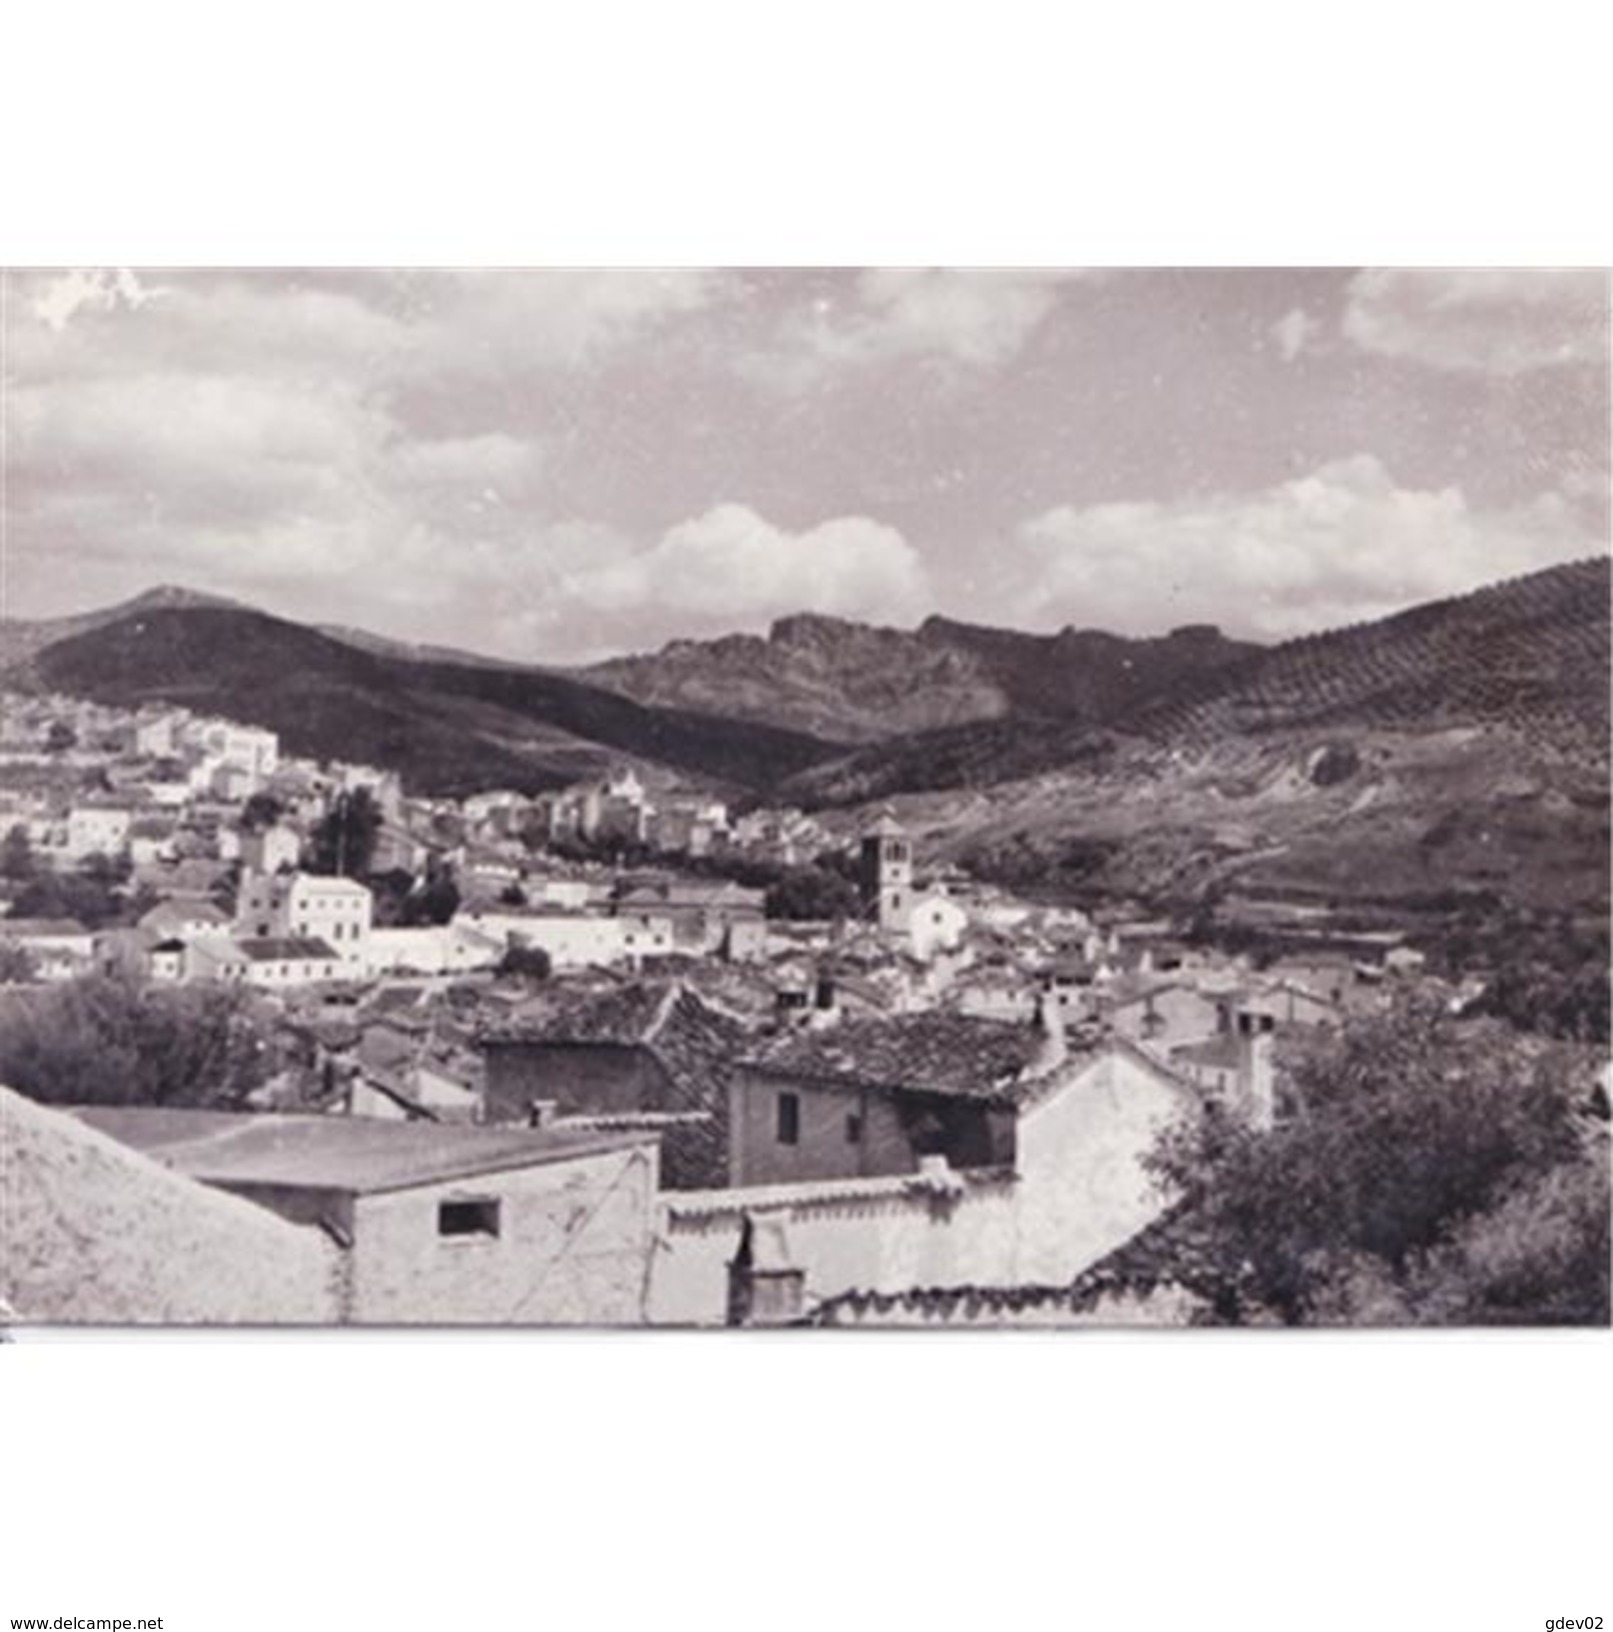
107,1040
1406,1129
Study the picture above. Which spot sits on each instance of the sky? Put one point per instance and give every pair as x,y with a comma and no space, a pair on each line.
559,465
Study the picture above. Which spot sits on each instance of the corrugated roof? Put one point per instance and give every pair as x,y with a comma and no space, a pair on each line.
353,1156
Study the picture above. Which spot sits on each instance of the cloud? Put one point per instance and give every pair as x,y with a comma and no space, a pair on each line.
964,319
725,571
1503,321
58,300
1339,544
473,322
1295,332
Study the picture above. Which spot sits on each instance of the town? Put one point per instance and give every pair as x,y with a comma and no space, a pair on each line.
607,1055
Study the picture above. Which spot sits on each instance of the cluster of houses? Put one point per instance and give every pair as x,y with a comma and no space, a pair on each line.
689,1114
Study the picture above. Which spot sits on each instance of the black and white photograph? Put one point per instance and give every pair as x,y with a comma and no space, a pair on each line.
939,798
806,817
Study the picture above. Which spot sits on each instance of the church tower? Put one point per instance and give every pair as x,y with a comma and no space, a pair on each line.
885,873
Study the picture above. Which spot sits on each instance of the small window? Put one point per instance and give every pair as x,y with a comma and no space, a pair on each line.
467,1218
854,1129
789,1119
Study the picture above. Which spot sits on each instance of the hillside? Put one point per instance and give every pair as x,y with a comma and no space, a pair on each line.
858,683
1455,751
1530,655
20,638
447,727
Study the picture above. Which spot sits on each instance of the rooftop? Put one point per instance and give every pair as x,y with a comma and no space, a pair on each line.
932,1053
1220,1052
41,927
356,1156
284,949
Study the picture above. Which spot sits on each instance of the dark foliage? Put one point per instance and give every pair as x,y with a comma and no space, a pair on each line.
344,842
1406,1131
109,1041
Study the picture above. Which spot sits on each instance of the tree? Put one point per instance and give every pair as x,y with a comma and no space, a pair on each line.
108,1040
87,901
17,967
111,872
437,899
391,891
261,811
61,738
532,962
1404,1129
17,855
344,842
812,893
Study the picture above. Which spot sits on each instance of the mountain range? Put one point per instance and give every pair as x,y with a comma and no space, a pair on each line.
1459,746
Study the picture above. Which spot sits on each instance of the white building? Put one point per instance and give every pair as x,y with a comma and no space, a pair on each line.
307,907
96,830
244,747
573,939
933,923
274,849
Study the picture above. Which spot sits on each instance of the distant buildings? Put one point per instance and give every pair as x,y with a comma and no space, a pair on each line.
310,909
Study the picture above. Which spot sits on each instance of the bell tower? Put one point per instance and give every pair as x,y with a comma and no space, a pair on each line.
885,873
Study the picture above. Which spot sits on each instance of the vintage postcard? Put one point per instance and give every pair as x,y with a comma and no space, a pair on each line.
935,798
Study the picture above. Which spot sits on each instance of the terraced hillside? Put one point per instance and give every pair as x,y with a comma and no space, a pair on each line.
1457,751
1530,655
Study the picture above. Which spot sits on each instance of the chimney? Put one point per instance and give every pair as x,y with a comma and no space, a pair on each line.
1255,1088
1049,1024
765,1287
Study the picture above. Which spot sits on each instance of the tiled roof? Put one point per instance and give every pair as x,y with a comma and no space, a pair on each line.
167,914
1220,1052
357,1156
935,1052
695,1044
42,927
287,949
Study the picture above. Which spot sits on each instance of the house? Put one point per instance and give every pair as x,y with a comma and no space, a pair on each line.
59,948
933,1151
1283,1002
715,916
158,737
572,940
307,907
279,960
432,949
1164,1012
184,917
652,1054
932,923
1235,1067
273,849
97,830
243,748
433,1224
